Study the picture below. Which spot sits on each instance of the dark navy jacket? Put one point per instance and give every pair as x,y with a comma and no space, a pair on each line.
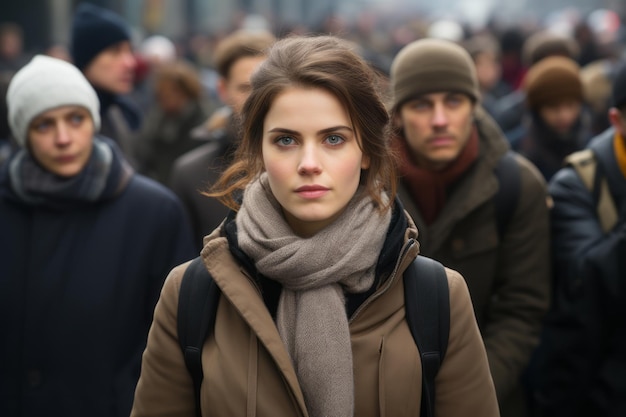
580,367
77,292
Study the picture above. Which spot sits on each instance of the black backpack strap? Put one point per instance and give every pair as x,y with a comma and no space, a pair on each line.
197,307
427,304
509,188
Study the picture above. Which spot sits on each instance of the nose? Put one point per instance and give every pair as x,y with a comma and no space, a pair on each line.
309,161
130,61
63,136
440,118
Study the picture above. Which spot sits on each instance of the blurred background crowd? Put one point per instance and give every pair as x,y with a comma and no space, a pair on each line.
170,89
498,35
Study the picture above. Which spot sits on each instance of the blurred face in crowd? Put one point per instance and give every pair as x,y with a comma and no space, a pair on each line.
561,115
436,126
235,89
61,139
113,69
312,157
170,97
10,44
488,70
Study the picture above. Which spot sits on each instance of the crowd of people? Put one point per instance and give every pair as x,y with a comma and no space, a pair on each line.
307,174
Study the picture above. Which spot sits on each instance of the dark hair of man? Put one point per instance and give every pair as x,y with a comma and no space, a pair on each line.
183,76
240,44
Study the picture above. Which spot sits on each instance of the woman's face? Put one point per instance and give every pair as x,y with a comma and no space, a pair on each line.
312,157
562,115
61,139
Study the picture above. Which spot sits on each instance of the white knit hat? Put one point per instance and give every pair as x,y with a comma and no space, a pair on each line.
43,84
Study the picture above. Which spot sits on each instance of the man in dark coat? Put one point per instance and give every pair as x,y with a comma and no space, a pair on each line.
100,47
85,246
449,150
236,58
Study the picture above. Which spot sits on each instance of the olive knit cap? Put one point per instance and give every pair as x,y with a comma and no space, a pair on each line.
431,66
551,80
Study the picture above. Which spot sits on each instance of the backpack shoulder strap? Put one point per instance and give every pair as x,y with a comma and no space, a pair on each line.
197,307
509,188
592,176
427,304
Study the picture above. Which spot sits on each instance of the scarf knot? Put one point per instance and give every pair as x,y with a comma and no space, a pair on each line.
104,176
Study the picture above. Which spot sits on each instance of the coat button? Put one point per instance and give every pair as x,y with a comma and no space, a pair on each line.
34,378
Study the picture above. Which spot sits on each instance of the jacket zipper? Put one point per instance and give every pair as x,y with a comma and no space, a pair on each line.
389,282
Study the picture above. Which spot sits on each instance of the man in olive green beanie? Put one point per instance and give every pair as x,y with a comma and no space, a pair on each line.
479,207
433,65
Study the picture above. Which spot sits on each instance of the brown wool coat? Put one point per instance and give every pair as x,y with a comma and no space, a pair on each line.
247,371
509,280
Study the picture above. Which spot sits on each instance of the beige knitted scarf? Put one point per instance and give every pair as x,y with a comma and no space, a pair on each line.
314,272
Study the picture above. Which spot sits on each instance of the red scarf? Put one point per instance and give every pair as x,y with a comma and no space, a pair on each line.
428,188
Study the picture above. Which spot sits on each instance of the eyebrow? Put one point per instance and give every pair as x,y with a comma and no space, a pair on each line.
428,98
319,132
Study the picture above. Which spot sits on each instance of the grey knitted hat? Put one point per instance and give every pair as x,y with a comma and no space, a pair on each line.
43,84
432,65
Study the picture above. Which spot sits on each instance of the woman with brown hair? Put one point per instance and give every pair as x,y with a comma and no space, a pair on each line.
311,321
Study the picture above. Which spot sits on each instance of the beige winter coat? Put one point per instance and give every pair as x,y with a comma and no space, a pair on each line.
247,371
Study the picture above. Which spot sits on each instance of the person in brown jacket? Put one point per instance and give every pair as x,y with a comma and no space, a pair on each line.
311,317
236,57
449,149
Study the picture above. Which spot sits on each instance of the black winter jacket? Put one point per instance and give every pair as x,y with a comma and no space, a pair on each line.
78,287
581,362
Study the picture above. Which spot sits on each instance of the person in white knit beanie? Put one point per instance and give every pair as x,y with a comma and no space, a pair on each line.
85,245
46,83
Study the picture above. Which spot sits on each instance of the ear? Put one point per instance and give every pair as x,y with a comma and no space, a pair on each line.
396,119
365,162
617,120
221,90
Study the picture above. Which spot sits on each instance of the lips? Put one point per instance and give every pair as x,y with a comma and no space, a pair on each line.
441,140
311,191
65,159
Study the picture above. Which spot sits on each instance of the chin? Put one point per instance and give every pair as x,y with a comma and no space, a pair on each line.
66,172
123,89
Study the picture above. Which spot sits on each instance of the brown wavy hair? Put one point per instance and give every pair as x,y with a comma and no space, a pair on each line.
325,62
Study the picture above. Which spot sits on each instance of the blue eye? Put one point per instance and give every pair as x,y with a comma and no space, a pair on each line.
420,105
454,100
335,139
77,118
285,141
42,126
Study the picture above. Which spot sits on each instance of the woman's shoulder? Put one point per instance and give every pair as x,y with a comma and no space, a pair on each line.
459,292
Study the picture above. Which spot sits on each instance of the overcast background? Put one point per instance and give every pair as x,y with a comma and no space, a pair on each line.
47,21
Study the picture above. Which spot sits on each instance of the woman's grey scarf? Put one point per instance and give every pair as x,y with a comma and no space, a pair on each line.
106,173
314,272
